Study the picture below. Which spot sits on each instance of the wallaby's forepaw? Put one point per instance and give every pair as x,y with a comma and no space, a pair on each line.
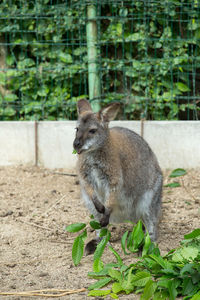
104,221
91,246
98,205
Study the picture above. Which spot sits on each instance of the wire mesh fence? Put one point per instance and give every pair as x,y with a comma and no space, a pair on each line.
145,54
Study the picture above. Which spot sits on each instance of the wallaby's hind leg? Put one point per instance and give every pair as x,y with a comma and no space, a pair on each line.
151,227
92,245
152,215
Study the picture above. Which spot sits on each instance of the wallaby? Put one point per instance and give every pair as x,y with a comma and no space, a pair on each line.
119,175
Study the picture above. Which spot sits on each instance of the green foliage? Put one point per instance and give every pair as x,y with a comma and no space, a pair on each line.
148,58
173,184
133,240
46,59
75,227
77,249
175,173
154,276
78,245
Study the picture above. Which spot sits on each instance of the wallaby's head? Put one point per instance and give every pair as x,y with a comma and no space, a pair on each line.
92,128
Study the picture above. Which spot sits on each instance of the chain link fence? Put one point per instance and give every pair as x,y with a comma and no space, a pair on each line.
145,54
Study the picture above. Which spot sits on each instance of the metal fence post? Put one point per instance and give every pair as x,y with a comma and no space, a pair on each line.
93,75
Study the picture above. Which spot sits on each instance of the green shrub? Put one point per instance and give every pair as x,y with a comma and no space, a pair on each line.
148,57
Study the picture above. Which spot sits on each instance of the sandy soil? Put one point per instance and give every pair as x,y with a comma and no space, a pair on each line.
35,206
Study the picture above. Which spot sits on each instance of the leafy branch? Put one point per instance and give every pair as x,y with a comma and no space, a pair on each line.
153,275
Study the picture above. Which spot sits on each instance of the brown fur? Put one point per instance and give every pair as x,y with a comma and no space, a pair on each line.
117,170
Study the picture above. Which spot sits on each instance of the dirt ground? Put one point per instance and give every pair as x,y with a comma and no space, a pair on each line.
35,251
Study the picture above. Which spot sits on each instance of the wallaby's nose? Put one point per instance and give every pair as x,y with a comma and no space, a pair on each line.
77,144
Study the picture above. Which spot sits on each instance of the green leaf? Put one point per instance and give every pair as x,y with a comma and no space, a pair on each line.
2,78
123,242
114,296
147,244
102,273
95,225
186,253
195,233
182,87
196,296
99,284
189,252
10,97
83,235
79,51
137,236
25,63
123,12
164,264
163,282
172,290
101,246
116,287
66,58
119,29
177,173
141,278
188,286
74,152
98,265
172,185
161,295
75,227
149,290
77,250
114,274
9,111
127,284
119,259
188,268
177,257
99,293
10,60
103,232
169,272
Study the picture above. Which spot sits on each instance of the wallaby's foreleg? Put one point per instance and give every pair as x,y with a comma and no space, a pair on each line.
96,207
104,220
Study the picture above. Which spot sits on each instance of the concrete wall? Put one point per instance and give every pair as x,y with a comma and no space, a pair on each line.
17,143
176,143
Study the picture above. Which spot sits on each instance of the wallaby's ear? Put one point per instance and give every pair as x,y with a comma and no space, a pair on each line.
109,112
82,106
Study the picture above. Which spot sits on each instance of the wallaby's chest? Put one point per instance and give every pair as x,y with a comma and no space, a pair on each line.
94,174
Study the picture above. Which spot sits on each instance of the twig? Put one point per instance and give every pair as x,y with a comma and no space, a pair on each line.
35,225
65,174
60,293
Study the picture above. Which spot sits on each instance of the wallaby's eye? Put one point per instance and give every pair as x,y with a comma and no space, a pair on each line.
92,131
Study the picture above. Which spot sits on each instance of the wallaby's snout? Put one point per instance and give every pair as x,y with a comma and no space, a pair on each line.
78,142
87,134
77,145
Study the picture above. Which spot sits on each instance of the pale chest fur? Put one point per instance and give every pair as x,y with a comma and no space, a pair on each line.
93,173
